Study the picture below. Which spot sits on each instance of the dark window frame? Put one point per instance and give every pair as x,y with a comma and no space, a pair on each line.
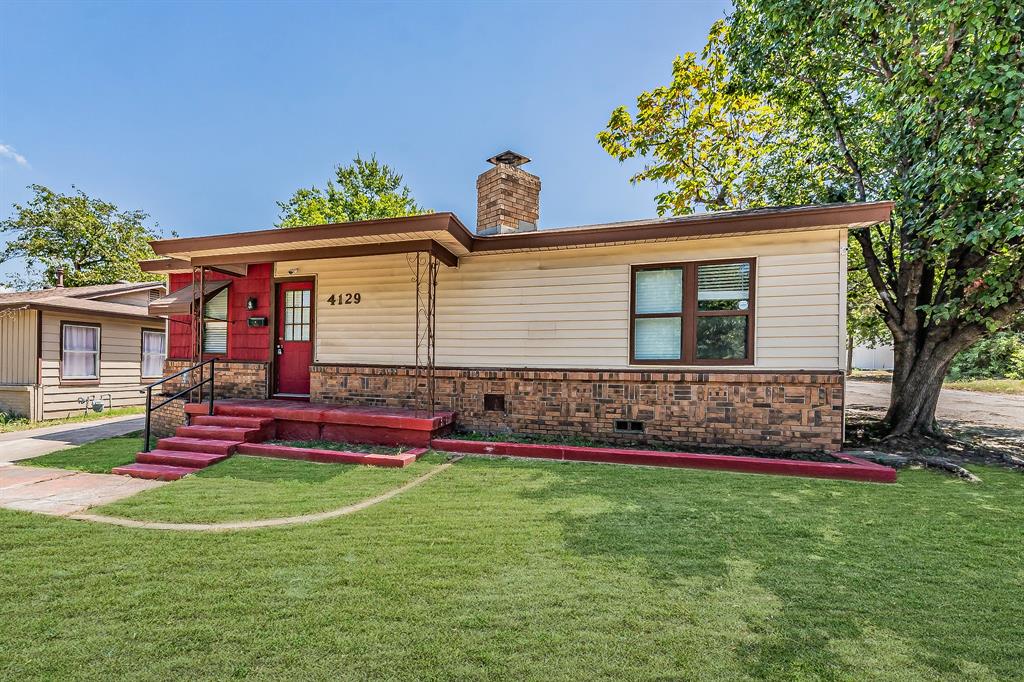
689,314
82,381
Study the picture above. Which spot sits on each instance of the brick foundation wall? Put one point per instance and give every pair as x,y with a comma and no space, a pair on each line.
234,379
776,410
164,421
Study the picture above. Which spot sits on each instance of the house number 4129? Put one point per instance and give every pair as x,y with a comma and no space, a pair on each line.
345,299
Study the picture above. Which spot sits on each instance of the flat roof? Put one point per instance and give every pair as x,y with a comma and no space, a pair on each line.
445,235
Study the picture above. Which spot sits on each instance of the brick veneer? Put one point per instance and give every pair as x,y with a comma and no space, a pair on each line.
235,379
777,410
164,421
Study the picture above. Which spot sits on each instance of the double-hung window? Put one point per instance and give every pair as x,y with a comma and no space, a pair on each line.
153,353
693,313
215,324
80,351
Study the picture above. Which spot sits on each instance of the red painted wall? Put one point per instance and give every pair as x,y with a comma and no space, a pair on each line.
244,342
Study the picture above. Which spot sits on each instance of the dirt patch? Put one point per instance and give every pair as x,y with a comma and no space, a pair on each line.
970,442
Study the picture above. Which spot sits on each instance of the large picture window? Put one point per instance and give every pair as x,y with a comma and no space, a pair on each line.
215,324
80,351
693,313
154,351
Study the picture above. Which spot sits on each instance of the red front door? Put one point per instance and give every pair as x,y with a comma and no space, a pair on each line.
294,346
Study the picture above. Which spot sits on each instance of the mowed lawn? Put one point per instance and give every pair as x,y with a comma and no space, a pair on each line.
502,569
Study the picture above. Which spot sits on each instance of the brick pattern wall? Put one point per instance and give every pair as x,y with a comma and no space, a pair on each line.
776,410
163,422
234,379
506,196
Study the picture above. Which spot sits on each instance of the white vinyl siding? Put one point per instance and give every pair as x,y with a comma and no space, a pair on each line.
570,308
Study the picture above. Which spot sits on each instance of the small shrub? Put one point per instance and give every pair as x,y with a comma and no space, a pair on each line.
1000,356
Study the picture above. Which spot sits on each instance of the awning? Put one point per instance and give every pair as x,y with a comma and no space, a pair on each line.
180,302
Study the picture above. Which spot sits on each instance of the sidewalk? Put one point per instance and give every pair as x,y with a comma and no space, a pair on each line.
60,492
19,445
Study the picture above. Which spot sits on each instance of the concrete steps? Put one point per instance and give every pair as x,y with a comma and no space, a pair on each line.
208,440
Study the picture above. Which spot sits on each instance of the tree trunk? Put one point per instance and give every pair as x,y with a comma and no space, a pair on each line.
917,379
849,355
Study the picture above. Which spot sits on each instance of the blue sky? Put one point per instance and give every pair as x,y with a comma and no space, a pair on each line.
205,114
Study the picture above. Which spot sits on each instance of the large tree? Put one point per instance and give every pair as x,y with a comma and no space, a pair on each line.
915,101
362,190
91,240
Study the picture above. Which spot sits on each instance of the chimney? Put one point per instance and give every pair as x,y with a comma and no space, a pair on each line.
60,278
507,197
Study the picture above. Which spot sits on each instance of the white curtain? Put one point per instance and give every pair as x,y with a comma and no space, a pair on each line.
153,352
81,352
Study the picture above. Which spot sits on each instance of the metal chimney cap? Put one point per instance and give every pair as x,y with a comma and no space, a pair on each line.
509,158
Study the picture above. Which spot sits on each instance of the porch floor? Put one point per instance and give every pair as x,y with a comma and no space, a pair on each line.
323,413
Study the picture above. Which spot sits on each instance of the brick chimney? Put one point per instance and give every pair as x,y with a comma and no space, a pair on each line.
507,197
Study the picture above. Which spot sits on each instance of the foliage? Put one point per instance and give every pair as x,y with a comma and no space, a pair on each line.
915,102
1000,356
864,321
363,190
93,240
711,142
512,569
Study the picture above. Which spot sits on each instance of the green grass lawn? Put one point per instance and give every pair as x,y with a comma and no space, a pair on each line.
98,457
510,569
243,488
1005,386
367,448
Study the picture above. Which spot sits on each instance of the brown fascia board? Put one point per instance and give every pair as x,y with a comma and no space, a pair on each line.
380,249
164,265
427,222
769,220
75,310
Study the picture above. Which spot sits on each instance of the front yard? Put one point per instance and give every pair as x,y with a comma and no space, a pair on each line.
507,569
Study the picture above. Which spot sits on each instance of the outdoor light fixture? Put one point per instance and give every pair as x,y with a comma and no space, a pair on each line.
250,304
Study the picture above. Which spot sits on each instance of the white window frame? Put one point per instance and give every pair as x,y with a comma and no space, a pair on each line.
96,353
162,356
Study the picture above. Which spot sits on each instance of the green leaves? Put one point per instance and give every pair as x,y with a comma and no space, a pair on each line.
92,240
363,190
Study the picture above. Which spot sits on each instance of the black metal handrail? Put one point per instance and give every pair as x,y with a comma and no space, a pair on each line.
192,387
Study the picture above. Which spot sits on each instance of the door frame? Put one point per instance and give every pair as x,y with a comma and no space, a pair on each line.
276,283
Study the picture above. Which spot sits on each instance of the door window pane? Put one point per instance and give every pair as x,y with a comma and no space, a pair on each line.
297,315
723,286
722,337
659,291
657,338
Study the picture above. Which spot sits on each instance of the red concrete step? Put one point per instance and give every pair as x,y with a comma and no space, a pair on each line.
195,460
217,447
157,472
232,421
331,456
220,433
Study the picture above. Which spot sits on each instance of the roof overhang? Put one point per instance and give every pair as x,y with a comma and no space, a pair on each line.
448,239
180,302
78,306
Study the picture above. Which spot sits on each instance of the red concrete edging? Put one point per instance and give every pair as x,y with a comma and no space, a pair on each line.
849,468
330,456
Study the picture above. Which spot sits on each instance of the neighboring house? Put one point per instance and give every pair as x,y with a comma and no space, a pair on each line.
723,328
866,356
94,343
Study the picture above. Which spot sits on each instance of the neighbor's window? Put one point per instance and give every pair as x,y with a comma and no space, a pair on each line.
215,324
153,353
80,351
693,313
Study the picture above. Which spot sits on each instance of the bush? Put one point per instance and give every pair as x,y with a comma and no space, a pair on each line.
1000,356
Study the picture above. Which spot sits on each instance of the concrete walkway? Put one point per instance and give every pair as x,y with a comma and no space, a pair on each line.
19,445
60,492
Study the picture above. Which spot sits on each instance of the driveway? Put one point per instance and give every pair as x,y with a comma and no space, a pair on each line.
19,445
1003,414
